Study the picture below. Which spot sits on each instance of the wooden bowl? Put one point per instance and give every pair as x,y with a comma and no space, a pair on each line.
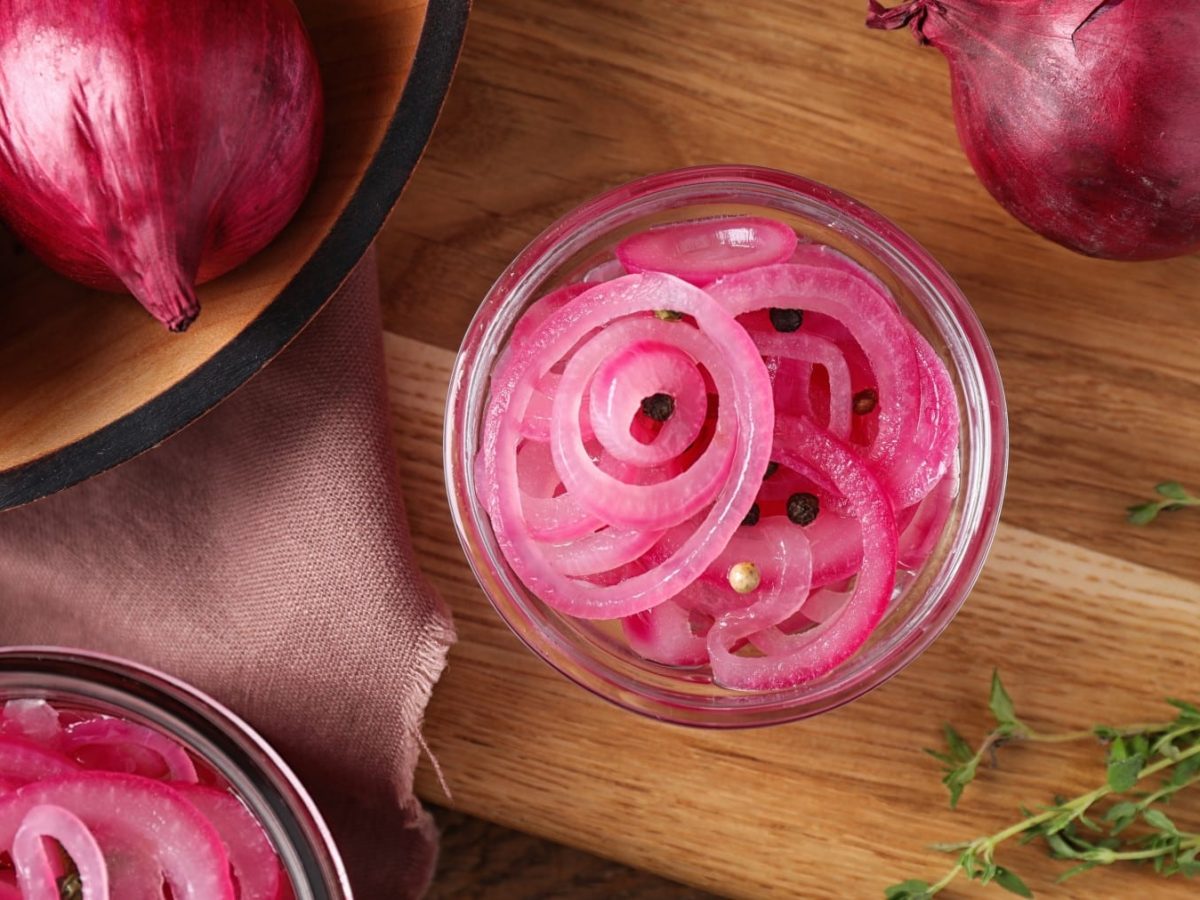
88,380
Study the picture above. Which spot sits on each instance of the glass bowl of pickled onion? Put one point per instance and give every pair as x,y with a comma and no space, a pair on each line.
726,447
148,787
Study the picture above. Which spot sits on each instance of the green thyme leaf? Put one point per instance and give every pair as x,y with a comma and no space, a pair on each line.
1123,773
1172,489
912,889
1000,703
1156,818
1080,828
959,749
1008,880
1177,497
1076,870
1142,513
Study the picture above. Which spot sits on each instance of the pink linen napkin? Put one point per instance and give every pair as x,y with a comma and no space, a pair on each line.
263,555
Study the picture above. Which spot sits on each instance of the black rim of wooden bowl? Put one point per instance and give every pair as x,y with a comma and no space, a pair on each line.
352,233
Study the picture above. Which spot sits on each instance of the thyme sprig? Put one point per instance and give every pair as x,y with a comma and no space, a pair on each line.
1174,497
1080,829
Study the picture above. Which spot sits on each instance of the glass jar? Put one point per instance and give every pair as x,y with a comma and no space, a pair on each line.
925,601
82,681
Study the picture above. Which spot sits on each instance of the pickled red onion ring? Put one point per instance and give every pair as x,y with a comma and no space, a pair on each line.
811,254
601,551
867,315
935,440
640,370
700,251
558,518
135,812
638,512
116,734
819,606
25,761
746,403
819,352
808,655
35,720
35,873
650,506
255,865
791,381
601,272
550,517
536,424
921,534
665,634
533,317
774,601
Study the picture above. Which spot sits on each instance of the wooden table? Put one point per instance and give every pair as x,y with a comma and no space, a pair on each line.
1090,618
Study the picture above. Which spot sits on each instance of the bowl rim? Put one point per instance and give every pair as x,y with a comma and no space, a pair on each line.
305,827
283,319
991,415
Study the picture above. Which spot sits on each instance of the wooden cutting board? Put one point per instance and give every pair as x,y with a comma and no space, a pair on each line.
804,810
1089,618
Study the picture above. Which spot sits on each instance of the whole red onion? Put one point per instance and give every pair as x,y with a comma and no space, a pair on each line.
1082,117
154,144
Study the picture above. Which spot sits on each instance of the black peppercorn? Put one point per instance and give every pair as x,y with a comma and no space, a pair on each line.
803,508
752,516
864,401
787,320
659,407
772,468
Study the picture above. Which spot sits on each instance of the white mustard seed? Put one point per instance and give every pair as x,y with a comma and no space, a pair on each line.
744,577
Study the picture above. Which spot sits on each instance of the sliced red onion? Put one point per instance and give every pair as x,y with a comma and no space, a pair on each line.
775,600
123,740
35,873
818,352
740,443
651,506
531,320
935,440
134,812
601,551
35,720
791,381
256,867
25,761
606,511
800,658
639,370
868,316
920,536
820,605
700,251
812,254
605,271
667,634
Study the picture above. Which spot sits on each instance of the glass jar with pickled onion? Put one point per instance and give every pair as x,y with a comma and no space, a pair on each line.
120,783
726,447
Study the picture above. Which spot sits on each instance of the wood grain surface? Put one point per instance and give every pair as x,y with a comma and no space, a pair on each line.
1088,616
837,806
480,859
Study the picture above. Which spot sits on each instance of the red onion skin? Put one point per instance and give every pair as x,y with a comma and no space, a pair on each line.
151,146
1081,117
